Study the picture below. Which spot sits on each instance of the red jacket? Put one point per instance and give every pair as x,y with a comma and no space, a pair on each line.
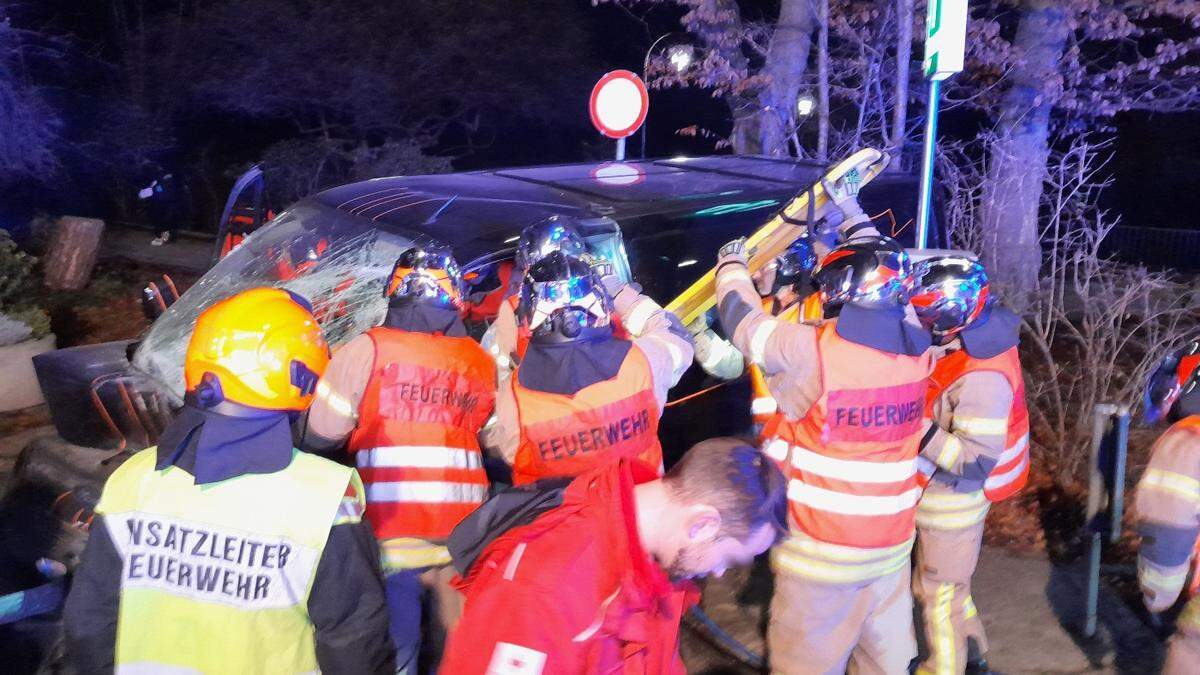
572,592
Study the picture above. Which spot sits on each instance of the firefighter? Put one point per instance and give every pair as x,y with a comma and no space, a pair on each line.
408,399
850,391
787,294
590,575
581,395
976,445
225,550
1167,503
556,233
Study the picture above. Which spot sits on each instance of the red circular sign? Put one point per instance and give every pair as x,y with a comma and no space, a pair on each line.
619,104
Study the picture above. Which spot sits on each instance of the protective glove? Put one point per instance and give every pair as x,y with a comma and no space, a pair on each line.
844,193
844,188
699,325
612,284
733,252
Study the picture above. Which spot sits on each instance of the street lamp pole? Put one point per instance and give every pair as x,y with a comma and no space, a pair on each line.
645,68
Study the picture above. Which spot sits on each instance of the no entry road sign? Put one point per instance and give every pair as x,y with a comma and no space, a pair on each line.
619,104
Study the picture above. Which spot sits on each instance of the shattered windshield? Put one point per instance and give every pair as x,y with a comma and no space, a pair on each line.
338,263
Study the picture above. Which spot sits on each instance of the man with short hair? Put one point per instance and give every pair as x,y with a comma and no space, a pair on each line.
589,576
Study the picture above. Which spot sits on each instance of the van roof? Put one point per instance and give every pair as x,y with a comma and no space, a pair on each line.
476,212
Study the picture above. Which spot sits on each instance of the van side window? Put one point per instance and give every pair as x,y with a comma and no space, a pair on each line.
667,253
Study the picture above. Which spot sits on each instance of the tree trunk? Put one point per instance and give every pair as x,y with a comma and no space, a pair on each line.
71,254
823,80
904,38
1017,161
721,33
787,60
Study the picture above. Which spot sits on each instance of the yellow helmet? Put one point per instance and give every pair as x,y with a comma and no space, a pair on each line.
261,348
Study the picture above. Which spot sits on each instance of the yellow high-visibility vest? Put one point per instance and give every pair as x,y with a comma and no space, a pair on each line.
216,578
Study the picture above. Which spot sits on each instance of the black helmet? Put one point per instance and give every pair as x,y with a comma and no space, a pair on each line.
556,233
562,299
427,274
872,272
1172,381
795,266
949,293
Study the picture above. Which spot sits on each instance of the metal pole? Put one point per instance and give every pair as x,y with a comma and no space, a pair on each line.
645,78
1095,504
1118,477
620,149
1093,586
931,121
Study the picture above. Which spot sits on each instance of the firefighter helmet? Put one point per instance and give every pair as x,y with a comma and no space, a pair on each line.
948,294
427,274
561,298
1174,378
795,266
556,233
873,272
261,349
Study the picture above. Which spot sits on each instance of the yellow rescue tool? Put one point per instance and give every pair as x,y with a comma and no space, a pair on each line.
773,238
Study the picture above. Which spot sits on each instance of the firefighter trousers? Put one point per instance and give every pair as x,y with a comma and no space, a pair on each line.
819,627
946,560
1183,649
423,608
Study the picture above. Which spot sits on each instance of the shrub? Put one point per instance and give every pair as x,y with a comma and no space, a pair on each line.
20,317
16,270
1095,327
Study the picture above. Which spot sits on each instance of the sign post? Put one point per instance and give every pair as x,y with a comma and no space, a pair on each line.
618,106
945,48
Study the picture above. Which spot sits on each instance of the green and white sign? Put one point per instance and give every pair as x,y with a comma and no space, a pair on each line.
945,38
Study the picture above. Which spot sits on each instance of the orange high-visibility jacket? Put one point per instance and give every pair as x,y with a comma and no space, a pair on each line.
852,458
566,435
416,444
1012,471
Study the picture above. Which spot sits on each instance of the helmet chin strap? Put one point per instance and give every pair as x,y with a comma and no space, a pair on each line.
560,329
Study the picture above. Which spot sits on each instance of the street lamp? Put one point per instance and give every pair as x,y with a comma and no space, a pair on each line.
805,105
680,56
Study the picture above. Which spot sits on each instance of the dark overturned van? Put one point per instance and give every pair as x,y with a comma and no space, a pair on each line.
660,221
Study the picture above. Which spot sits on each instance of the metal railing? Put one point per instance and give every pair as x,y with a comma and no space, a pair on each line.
1154,246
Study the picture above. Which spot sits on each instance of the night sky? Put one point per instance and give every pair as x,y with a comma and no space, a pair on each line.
1155,165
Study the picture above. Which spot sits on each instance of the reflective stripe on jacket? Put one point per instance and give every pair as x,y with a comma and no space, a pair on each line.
216,577
416,444
1012,469
763,405
566,435
851,460
1168,517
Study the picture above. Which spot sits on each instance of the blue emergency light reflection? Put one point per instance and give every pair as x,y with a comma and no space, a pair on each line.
735,207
